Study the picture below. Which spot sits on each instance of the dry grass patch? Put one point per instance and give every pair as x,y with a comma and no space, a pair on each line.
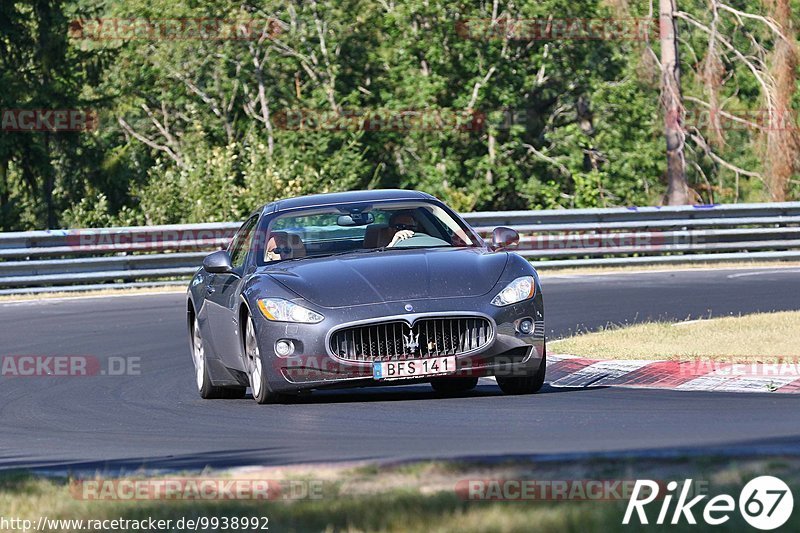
765,336
411,497
733,265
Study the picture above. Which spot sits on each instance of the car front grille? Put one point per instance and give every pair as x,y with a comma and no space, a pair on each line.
395,340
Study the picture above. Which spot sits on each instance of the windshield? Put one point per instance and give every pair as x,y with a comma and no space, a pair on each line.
362,228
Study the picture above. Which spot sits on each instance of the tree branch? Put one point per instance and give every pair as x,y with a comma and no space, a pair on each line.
152,144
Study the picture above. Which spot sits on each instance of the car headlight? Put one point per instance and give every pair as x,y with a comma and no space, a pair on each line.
516,291
280,310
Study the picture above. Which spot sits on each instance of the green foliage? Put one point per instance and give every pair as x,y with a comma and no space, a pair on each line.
193,130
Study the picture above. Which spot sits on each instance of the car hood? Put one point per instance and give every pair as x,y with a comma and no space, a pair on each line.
391,275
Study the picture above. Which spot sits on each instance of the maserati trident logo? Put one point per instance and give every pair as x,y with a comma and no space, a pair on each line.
411,343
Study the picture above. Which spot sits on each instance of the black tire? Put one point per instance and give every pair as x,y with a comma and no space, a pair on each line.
232,393
524,384
449,386
206,388
256,367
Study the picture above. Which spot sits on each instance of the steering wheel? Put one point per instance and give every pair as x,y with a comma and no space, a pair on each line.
420,239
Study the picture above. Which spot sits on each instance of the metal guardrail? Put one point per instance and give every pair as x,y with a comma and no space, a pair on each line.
84,259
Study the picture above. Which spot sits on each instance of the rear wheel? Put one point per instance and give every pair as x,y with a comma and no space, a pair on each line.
524,384
453,385
254,364
207,390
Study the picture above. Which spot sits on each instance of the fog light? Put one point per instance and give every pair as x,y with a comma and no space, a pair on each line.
284,348
525,326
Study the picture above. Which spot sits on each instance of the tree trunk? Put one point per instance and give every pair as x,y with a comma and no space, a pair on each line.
782,142
672,102
48,184
50,52
492,157
4,195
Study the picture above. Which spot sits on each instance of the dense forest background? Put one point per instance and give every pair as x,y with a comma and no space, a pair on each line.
195,130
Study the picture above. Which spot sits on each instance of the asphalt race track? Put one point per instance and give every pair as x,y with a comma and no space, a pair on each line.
157,420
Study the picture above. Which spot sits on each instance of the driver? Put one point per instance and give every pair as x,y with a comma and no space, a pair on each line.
276,244
402,225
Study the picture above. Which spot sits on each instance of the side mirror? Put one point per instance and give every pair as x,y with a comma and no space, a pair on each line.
218,262
503,237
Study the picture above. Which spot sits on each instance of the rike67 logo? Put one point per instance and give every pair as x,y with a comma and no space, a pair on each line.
765,502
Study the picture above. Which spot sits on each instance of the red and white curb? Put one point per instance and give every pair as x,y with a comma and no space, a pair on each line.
694,375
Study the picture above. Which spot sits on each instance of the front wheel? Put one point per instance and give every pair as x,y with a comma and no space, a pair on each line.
207,389
524,384
254,364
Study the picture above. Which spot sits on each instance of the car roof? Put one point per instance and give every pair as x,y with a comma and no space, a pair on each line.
318,200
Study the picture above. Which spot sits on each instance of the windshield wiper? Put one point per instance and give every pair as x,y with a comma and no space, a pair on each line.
423,247
382,249
361,251
331,254
356,251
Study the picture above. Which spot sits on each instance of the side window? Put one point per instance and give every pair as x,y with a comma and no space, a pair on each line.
241,243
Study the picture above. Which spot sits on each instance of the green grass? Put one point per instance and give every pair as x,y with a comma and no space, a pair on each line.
766,337
619,269
413,497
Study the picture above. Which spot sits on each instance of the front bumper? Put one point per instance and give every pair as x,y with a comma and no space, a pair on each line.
314,366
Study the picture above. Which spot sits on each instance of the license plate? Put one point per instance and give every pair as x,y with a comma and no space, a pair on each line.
413,368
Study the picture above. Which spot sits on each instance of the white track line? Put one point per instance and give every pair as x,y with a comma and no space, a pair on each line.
785,270
9,303
762,270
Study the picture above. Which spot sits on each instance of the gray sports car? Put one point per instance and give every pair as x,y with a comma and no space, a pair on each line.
364,288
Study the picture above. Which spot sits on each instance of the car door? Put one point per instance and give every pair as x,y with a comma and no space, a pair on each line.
222,297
